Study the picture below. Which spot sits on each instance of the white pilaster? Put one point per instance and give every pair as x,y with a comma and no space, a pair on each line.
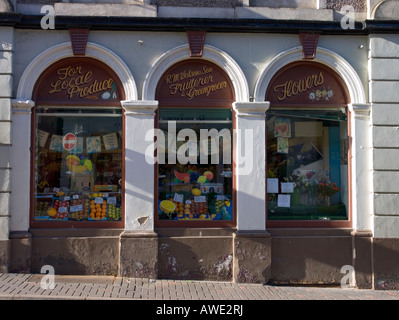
21,162
250,165
139,173
361,166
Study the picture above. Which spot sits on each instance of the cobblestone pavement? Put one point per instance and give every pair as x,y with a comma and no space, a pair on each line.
15,286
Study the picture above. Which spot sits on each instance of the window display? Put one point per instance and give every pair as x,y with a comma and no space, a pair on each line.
195,165
78,164
307,165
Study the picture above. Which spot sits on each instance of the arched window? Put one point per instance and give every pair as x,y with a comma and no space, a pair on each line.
194,172
77,169
307,146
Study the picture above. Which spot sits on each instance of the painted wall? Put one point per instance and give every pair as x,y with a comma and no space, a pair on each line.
139,50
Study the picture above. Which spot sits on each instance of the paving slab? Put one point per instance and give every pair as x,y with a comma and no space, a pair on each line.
67,287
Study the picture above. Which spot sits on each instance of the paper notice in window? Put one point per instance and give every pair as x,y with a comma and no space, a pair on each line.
110,141
282,145
284,200
287,187
272,185
42,137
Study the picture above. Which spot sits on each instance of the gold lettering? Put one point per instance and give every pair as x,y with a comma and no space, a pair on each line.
75,82
293,88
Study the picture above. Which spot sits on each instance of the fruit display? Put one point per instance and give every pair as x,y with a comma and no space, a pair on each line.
192,176
77,165
53,166
114,212
79,209
41,208
199,208
98,209
62,209
218,205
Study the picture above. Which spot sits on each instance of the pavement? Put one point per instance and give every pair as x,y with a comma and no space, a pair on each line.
18,286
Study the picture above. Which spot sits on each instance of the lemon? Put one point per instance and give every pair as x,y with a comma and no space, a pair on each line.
196,192
201,179
202,217
167,206
52,212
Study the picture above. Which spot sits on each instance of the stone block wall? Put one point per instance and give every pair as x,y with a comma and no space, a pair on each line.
384,96
6,79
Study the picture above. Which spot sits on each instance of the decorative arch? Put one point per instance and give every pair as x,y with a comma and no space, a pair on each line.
211,54
323,56
64,50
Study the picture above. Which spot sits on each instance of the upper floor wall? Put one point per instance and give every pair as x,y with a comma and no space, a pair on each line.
246,9
310,11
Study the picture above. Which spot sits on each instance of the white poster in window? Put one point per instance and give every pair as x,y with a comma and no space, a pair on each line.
56,144
42,137
282,127
110,141
287,187
272,185
79,146
93,144
284,200
282,145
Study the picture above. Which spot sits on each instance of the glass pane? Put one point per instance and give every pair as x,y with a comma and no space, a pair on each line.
195,165
78,164
307,168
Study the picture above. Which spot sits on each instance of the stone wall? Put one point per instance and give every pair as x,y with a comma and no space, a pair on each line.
6,80
384,96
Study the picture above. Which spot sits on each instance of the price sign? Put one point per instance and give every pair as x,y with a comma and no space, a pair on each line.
188,201
105,195
220,197
98,200
76,208
199,198
62,209
111,200
56,190
75,196
178,197
67,198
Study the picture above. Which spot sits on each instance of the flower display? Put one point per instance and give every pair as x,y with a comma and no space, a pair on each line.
327,189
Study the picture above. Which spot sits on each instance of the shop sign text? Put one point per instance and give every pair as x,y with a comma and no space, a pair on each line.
194,83
78,83
292,88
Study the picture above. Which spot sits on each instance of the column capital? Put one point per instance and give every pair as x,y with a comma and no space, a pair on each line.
251,109
140,107
360,110
22,106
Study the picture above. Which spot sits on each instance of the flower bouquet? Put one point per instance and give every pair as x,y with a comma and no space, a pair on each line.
327,189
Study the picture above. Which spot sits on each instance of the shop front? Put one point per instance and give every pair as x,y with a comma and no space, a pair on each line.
194,178
75,155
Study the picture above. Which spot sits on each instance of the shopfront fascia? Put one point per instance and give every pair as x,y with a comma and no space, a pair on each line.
147,242
72,215
310,98
196,238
